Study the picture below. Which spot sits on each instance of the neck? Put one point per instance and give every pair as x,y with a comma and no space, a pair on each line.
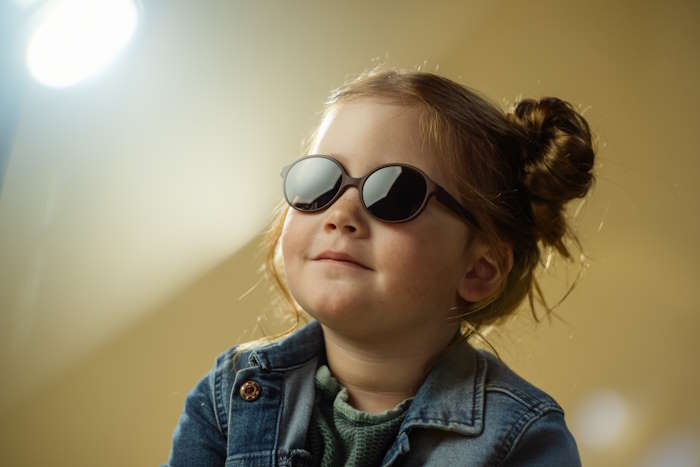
380,374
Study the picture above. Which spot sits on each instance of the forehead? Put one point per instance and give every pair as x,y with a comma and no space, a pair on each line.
365,133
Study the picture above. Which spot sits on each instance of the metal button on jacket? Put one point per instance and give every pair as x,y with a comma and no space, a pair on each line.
250,390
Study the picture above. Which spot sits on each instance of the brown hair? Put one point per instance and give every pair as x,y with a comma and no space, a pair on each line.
514,171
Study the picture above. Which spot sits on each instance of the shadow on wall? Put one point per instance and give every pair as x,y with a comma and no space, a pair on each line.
118,406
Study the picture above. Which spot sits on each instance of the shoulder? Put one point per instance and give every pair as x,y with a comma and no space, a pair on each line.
224,364
475,410
199,437
502,381
528,422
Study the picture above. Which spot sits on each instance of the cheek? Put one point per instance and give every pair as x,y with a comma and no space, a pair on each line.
292,239
423,267
290,245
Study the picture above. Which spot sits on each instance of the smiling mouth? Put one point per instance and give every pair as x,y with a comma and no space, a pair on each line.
340,262
340,258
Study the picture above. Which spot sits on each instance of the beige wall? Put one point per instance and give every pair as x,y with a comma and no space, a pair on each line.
622,355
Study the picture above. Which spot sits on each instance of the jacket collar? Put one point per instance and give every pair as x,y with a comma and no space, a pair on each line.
295,349
451,397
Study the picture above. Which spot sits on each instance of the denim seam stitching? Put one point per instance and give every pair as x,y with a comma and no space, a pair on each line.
219,401
292,367
212,390
507,446
279,420
524,399
479,389
521,427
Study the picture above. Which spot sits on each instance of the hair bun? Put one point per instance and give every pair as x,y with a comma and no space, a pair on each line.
557,161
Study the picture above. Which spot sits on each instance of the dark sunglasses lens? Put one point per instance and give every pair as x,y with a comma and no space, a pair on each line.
311,183
394,193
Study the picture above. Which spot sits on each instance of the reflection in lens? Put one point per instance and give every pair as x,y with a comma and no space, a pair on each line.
311,183
394,193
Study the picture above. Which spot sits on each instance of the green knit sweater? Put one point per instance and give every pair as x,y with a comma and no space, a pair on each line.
340,435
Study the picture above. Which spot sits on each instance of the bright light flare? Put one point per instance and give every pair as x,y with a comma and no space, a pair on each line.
677,450
75,39
602,420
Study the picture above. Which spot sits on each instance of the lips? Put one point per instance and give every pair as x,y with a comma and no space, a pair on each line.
339,256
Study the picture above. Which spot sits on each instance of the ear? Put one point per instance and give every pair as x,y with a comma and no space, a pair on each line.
485,273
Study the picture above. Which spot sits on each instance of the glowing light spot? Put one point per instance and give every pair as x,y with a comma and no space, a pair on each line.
75,39
602,419
680,450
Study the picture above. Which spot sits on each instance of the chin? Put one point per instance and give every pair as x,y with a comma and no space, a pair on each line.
335,310
342,319
331,298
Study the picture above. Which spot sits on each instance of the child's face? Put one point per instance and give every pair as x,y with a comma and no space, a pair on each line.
413,269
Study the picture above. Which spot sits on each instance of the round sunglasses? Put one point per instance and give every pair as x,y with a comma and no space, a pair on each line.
391,193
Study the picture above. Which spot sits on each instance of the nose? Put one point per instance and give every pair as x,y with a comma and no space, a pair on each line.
346,215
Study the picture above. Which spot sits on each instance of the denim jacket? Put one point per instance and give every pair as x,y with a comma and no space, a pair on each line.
471,410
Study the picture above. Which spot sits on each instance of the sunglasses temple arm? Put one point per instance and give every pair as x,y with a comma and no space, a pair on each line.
448,200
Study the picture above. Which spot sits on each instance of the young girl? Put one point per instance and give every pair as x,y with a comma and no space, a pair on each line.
415,220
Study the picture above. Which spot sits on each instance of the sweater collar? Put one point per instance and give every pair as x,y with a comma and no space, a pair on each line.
451,397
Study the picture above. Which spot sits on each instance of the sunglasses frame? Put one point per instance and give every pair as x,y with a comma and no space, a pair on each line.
432,189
